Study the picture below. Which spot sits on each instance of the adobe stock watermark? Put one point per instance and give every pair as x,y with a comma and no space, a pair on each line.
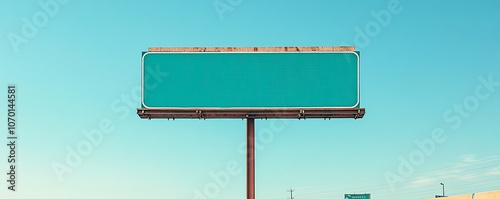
94,137
381,19
453,117
222,6
31,25
221,179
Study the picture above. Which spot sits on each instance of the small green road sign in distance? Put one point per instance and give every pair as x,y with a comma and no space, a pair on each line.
357,196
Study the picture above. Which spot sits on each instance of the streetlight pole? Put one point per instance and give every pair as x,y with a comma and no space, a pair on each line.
443,189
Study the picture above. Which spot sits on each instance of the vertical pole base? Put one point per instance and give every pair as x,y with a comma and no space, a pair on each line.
250,158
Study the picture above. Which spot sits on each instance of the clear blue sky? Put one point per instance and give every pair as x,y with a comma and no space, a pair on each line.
77,67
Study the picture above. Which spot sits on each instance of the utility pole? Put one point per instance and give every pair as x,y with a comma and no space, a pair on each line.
291,193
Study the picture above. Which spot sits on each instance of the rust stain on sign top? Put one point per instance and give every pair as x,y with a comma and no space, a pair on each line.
253,49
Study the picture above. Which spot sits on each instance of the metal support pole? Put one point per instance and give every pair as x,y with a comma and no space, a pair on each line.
443,190
250,158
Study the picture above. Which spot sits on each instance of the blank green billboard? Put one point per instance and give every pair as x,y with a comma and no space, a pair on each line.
226,80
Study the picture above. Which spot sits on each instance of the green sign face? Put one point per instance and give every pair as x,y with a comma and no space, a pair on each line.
254,80
357,196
